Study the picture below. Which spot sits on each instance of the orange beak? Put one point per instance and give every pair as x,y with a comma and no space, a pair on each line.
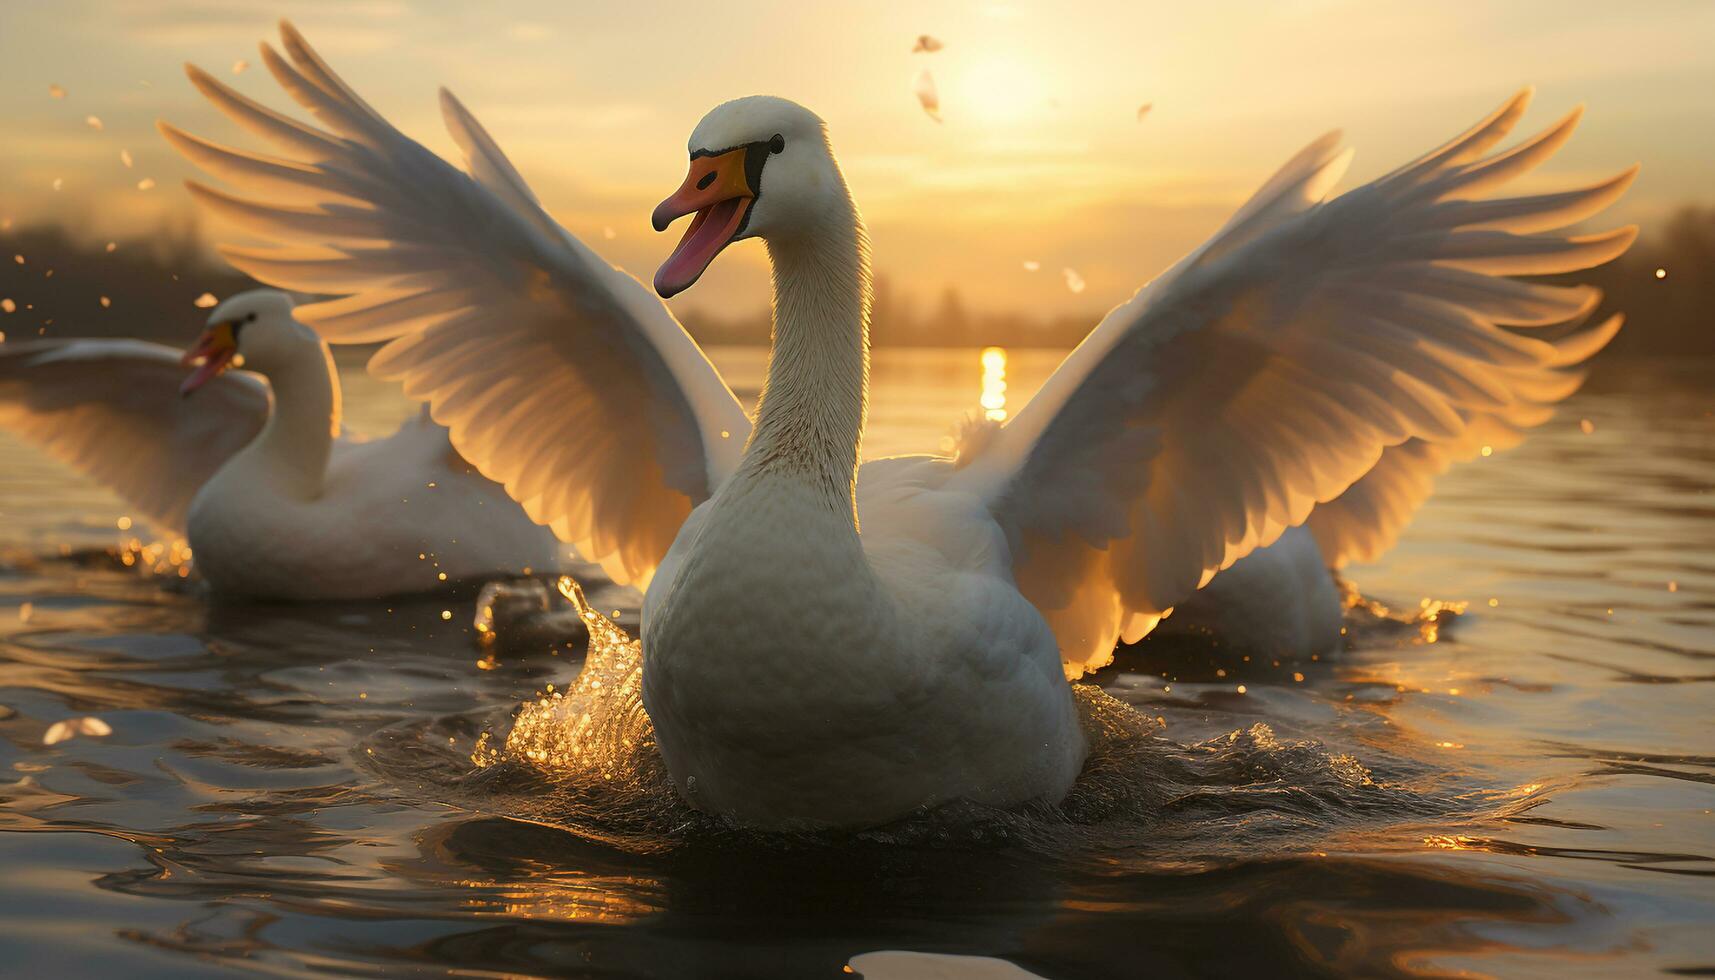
720,190
212,354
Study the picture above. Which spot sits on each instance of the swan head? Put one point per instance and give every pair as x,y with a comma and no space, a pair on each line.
255,329
761,167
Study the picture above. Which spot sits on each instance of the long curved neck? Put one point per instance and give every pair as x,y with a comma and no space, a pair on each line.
295,443
810,418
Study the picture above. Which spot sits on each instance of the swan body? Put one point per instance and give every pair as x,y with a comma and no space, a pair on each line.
915,622
826,644
275,502
1280,601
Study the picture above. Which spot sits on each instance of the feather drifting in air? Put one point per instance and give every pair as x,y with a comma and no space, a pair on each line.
1143,110
926,95
1074,282
926,45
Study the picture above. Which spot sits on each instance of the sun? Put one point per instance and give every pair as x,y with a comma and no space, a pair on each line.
999,90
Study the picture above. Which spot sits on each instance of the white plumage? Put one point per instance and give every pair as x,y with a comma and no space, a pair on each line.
799,669
277,503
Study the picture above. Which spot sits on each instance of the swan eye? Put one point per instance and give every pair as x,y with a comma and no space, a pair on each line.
777,144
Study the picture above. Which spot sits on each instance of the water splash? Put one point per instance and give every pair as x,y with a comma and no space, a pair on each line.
1370,617
597,727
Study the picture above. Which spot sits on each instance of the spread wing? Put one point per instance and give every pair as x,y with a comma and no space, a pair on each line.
111,409
557,374
1363,523
1273,367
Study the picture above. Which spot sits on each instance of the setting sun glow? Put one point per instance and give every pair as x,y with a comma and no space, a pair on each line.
998,90
1040,150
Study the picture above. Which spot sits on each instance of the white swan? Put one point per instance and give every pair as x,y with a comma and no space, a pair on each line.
276,504
830,645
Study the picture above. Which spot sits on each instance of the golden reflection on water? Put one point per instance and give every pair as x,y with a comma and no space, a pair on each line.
168,558
993,398
1427,619
561,897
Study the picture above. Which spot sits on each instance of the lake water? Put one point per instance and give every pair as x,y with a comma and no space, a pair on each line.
1524,789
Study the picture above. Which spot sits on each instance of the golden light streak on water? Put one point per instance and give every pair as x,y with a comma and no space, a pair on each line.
994,384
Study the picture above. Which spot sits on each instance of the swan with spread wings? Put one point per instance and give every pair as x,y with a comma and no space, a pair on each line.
833,644
254,467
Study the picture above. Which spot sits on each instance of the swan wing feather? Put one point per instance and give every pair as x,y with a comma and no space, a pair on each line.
1311,343
111,410
558,375
1363,523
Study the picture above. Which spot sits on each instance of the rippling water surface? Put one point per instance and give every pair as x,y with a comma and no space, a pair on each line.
1521,789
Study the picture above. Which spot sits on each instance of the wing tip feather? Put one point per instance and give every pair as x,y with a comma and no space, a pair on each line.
282,70
1625,235
201,79
1579,348
1566,125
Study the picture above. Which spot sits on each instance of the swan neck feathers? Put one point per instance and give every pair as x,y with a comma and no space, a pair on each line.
810,417
295,443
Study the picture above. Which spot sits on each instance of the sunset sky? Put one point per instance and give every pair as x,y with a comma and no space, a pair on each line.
1040,156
